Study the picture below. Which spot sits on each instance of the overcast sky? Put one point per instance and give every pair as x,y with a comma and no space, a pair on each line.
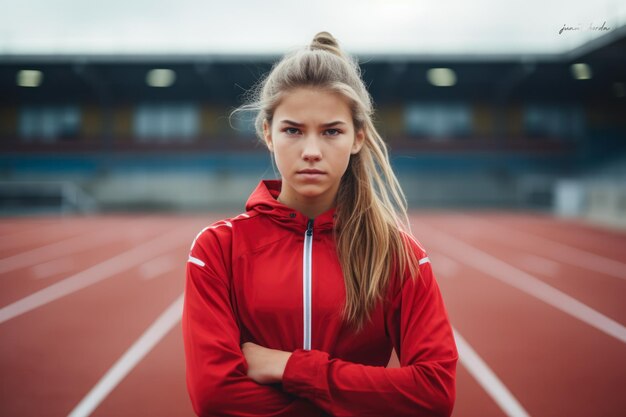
266,26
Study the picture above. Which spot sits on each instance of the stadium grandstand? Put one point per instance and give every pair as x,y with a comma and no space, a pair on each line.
152,132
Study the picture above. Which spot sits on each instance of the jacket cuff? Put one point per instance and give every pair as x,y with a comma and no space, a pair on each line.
302,371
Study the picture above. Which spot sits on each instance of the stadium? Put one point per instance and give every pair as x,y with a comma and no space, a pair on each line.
513,165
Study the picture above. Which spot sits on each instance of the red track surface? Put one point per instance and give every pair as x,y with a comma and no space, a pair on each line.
535,357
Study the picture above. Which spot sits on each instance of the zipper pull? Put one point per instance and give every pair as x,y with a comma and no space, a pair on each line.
309,230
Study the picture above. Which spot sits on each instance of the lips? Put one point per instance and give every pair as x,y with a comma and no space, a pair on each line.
310,171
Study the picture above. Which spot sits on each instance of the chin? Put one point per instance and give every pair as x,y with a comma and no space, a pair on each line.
310,190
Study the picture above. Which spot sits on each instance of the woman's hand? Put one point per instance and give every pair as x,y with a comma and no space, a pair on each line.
265,366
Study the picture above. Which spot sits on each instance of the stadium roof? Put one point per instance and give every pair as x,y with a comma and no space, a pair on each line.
248,27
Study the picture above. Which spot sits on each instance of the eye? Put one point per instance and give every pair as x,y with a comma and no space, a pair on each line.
291,130
337,132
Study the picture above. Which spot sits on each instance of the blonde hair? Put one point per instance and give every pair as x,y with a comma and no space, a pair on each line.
371,208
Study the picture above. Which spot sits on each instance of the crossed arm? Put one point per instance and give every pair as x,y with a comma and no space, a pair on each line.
424,385
265,366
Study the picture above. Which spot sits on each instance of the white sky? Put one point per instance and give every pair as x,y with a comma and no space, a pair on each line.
274,26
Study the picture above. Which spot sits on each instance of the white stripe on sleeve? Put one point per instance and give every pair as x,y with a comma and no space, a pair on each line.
195,261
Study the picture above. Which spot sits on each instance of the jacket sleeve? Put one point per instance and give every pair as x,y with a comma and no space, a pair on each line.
424,385
216,370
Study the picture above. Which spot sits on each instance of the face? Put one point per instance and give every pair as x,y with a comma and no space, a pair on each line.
312,129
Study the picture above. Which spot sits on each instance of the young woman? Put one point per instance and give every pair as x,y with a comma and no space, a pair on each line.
293,307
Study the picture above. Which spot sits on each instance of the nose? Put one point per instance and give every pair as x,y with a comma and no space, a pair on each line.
311,151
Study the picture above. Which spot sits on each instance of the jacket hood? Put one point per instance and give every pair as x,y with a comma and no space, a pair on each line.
264,200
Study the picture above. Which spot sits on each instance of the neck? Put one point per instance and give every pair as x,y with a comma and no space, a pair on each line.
311,209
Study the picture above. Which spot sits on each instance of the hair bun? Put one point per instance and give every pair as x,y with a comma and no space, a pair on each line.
326,42
325,38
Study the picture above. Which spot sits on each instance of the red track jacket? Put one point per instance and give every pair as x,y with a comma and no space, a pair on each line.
271,276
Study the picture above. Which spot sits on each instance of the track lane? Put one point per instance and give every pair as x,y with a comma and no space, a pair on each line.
599,291
541,354
163,371
578,234
74,342
23,282
552,363
64,227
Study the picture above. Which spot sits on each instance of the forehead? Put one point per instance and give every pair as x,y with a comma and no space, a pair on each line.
307,105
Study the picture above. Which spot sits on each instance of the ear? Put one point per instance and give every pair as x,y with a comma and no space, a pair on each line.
267,134
359,138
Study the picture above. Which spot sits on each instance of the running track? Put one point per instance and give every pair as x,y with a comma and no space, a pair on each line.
90,309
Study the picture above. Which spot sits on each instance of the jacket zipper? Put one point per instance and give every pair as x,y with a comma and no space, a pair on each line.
306,283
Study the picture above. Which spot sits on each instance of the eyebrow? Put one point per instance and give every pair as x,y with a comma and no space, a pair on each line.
337,122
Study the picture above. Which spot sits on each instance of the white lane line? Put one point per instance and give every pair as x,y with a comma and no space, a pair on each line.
557,250
24,237
540,265
159,266
477,367
54,267
62,248
96,273
150,338
525,282
444,265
